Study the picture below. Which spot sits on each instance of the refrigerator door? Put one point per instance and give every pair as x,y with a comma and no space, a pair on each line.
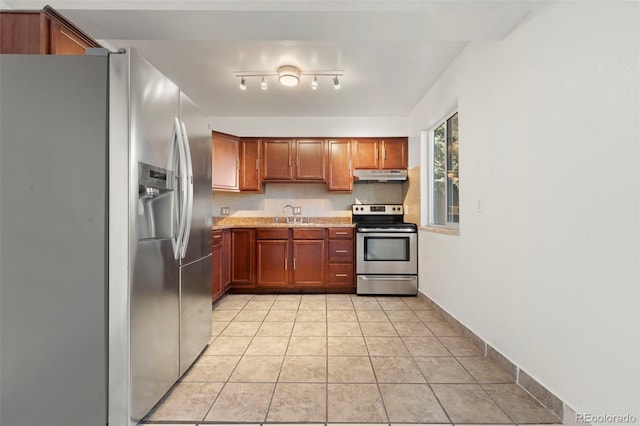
53,204
195,310
198,133
154,288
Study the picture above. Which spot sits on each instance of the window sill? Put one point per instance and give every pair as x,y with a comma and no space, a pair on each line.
436,230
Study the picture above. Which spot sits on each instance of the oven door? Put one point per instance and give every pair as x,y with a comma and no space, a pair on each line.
387,253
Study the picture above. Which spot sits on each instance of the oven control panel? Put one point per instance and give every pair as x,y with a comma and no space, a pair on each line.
377,209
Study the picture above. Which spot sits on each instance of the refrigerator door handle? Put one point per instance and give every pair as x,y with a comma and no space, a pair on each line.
181,172
189,179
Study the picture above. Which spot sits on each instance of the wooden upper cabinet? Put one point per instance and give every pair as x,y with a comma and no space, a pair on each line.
310,159
224,162
394,153
41,32
380,153
276,159
340,171
290,160
250,167
366,153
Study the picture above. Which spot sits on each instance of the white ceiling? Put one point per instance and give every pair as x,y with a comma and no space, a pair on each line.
391,51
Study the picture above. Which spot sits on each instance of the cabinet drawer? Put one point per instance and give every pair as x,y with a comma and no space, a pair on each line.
216,237
308,234
272,234
340,233
340,251
340,275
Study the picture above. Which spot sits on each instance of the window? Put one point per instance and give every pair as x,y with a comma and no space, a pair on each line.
442,170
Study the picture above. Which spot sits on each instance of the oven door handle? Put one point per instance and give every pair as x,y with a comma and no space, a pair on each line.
387,278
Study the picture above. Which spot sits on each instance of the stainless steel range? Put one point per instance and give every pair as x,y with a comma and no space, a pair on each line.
386,250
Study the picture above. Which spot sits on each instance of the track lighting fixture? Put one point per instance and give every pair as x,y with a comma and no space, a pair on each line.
289,76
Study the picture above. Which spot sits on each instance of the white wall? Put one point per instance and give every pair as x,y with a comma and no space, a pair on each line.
4,6
312,126
548,272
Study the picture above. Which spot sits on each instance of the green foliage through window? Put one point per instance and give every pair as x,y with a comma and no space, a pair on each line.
445,166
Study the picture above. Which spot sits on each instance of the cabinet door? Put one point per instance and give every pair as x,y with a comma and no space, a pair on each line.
310,162
250,165
272,258
276,162
20,33
308,263
366,153
340,275
64,42
394,153
340,251
216,260
242,255
226,259
224,152
340,175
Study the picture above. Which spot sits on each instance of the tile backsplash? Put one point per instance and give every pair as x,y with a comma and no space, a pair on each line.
313,198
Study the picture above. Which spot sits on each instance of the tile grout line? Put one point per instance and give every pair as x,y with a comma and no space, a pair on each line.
227,381
275,385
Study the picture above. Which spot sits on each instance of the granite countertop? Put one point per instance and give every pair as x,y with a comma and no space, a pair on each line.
227,222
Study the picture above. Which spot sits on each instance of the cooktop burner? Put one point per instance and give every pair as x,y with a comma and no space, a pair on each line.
380,217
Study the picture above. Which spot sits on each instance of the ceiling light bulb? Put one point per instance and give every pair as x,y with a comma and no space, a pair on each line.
263,84
289,75
336,82
243,85
314,83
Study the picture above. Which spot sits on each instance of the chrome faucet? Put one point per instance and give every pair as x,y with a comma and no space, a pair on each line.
291,218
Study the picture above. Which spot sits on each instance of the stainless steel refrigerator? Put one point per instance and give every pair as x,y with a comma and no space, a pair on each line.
105,223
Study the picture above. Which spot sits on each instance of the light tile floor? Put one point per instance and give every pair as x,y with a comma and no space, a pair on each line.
341,359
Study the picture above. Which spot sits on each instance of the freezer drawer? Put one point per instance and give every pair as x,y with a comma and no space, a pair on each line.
387,284
195,310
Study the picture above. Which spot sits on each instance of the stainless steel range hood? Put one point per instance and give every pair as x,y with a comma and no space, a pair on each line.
379,175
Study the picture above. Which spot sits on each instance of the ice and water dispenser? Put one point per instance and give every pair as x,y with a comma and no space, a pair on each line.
156,211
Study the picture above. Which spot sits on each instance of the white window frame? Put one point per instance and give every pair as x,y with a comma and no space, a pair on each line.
427,142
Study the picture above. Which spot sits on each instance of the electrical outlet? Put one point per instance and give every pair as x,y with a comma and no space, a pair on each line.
224,211
297,210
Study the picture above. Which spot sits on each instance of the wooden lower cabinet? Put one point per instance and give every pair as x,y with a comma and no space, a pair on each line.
226,259
217,286
340,259
290,260
272,258
243,242
308,263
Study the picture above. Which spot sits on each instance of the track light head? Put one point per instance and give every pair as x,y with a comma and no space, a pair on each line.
263,83
314,83
243,84
336,82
